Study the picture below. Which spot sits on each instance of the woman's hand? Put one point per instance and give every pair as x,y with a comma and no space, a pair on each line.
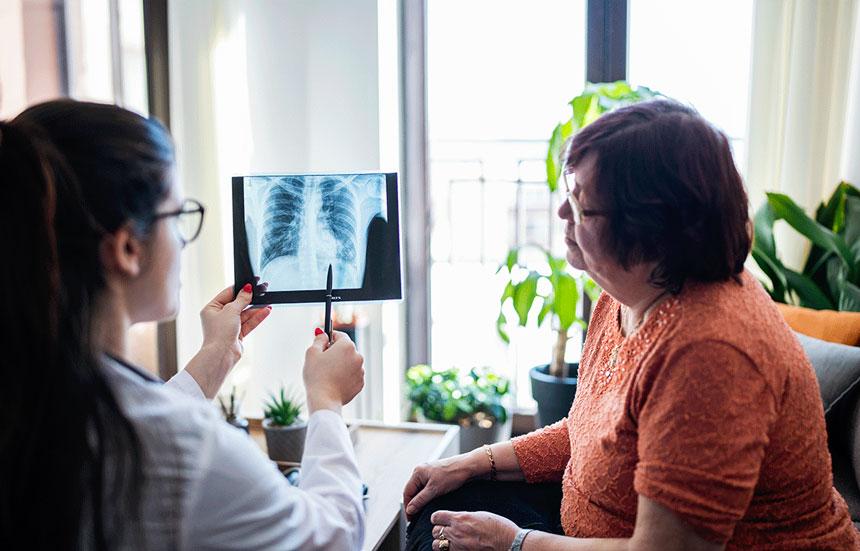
431,480
333,373
473,531
226,322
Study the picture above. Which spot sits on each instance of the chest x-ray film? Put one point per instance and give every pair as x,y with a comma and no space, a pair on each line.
287,229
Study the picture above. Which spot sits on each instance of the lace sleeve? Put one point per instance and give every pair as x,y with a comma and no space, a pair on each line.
543,454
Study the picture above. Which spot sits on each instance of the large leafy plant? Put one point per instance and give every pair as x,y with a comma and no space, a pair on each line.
830,279
450,396
552,291
552,288
595,100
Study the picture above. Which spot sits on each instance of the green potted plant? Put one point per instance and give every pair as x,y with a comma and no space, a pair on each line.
551,286
230,405
830,279
554,293
473,399
284,428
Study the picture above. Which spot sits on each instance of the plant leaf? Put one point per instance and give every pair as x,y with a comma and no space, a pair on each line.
508,292
763,227
808,292
774,270
849,300
566,299
786,209
545,309
524,296
511,260
836,277
501,322
851,224
556,141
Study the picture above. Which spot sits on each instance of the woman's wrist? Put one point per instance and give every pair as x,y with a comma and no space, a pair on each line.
317,402
210,366
478,463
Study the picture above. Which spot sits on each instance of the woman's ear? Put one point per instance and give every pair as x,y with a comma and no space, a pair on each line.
122,252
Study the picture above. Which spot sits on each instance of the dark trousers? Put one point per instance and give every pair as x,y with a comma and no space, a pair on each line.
535,506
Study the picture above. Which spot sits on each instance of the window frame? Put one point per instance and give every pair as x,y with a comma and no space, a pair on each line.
606,61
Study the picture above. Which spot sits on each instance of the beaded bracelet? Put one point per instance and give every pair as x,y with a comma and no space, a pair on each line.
492,462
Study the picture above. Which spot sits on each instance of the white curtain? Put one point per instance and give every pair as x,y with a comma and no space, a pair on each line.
268,87
802,113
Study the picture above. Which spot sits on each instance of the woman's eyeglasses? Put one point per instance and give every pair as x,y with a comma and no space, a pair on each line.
576,208
189,220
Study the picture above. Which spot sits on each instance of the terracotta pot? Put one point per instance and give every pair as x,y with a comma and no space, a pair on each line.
285,443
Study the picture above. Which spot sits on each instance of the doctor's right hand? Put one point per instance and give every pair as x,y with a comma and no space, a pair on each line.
333,374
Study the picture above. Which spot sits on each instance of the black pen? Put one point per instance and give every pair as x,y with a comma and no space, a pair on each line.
328,305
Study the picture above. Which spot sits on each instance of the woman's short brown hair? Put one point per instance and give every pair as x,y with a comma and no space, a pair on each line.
674,195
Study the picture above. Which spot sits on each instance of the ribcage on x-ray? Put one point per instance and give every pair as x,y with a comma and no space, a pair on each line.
282,220
338,213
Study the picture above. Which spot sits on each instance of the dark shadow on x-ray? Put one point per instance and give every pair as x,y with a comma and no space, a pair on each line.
297,225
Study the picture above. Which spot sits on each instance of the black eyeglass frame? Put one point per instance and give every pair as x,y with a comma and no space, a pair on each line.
189,206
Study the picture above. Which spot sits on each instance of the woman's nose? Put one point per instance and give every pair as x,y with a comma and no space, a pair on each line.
564,210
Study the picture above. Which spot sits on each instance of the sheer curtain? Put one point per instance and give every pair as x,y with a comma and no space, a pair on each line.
268,87
803,107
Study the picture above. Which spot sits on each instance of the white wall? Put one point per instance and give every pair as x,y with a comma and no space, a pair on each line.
13,77
266,86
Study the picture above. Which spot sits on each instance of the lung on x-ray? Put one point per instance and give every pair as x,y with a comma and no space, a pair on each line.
289,228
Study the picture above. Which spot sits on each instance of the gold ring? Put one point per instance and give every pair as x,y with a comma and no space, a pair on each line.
444,544
442,533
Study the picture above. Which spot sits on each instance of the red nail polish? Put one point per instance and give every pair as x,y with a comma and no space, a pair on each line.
318,332
247,288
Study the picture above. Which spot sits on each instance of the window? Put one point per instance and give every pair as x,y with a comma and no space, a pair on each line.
499,76
698,53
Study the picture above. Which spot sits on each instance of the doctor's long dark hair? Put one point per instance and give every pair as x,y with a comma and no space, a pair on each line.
70,459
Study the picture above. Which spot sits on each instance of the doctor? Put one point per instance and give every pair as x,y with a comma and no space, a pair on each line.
94,453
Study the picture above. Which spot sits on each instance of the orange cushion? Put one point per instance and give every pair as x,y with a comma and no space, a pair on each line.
827,325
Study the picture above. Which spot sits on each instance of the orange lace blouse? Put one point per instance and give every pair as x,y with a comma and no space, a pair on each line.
711,410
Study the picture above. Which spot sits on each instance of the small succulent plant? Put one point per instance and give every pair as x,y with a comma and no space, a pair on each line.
282,409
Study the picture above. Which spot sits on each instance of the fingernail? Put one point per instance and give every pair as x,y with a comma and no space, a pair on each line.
247,288
268,307
318,332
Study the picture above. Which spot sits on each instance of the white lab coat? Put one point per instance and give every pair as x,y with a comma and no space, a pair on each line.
209,486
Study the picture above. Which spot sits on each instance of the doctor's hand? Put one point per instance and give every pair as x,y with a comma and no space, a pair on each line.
333,373
226,322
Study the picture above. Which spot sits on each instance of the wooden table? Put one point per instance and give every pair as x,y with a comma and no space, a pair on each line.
386,455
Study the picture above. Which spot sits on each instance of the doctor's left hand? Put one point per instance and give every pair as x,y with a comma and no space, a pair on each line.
479,531
226,322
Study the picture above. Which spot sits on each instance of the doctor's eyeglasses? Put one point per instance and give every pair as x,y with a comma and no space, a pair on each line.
189,220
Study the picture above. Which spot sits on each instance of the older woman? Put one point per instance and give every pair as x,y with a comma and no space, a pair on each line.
697,422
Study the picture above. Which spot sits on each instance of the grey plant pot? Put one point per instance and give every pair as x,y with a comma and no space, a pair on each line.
285,443
473,436
554,395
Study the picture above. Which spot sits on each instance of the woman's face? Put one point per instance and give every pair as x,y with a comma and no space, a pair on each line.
154,295
584,240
